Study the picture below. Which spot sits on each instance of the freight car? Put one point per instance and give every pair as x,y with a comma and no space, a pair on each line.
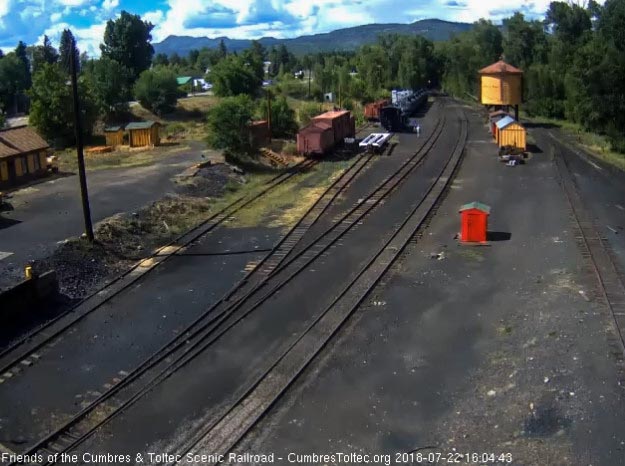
372,110
404,103
325,132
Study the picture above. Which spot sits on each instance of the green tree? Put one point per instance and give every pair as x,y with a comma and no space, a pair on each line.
307,111
127,41
222,50
157,90
160,59
66,48
283,122
109,81
193,56
13,80
22,55
234,76
45,53
227,124
525,42
52,111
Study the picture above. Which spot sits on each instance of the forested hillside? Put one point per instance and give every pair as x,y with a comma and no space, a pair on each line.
341,39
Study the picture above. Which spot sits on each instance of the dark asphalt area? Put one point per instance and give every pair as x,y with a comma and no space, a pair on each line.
488,350
200,391
131,326
49,212
601,186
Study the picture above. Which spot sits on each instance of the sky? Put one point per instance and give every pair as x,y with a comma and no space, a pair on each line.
29,20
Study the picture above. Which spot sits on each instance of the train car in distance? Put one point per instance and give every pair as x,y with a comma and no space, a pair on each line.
395,117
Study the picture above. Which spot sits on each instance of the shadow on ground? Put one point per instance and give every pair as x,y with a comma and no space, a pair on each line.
498,236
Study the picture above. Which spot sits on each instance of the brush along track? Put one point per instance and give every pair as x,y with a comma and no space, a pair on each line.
596,249
223,435
155,370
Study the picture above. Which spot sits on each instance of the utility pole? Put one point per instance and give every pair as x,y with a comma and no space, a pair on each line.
269,113
86,209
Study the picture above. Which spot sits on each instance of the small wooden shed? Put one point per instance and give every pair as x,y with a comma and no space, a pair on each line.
474,222
144,134
258,133
114,136
510,132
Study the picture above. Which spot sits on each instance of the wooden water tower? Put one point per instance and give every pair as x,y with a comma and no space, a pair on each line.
501,85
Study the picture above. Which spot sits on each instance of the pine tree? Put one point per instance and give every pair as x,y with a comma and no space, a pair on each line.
66,48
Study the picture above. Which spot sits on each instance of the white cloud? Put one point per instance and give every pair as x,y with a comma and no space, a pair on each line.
110,4
72,3
154,17
55,17
87,39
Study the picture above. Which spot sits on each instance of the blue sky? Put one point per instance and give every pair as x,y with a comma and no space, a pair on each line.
29,20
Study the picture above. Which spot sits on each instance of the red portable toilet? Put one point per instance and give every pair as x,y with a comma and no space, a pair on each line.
474,222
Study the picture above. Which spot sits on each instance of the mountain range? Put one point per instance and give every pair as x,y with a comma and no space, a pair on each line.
341,39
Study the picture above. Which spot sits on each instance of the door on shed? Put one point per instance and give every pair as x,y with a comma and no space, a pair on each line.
474,226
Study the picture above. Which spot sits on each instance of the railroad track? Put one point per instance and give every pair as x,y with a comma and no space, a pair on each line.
223,435
19,350
280,250
196,339
596,249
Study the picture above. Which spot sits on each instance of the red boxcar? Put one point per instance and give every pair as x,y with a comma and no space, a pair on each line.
339,121
372,110
316,138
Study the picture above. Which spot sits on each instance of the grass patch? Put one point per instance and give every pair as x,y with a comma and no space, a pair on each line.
68,160
285,205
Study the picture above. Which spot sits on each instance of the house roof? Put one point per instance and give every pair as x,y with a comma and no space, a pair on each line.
475,205
20,140
501,67
505,121
183,80
141,125
113,129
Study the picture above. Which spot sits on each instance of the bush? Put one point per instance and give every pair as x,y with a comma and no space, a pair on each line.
283,122
231,76
227,124
294,88
308,111
348,104
51,109
157,90
290,148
